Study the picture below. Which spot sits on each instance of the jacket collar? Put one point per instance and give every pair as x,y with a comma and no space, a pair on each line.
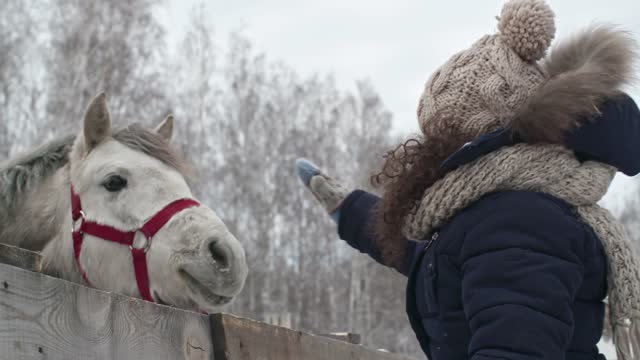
479,147
612,136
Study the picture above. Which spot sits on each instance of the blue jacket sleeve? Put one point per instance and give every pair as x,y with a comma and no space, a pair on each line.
355,227
612,137
520,275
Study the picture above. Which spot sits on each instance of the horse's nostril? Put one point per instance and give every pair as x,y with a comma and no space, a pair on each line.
220,253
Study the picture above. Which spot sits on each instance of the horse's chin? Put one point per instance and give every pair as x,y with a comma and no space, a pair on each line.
196,297
200,291
197,305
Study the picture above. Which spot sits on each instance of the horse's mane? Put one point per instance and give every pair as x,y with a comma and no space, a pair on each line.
24,173
19,175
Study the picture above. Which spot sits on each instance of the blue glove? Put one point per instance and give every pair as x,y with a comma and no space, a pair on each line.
329,192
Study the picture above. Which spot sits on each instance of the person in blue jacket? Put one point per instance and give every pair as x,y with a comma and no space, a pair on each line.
492,213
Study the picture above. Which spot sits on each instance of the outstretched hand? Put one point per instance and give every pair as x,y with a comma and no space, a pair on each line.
328,191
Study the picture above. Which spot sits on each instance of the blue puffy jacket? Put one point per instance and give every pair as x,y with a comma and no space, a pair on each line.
515,275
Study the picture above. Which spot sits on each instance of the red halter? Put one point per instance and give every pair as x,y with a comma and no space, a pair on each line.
108,233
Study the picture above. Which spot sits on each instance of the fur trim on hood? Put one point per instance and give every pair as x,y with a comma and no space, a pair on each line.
582,71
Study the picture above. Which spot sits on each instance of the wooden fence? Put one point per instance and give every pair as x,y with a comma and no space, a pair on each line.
43,317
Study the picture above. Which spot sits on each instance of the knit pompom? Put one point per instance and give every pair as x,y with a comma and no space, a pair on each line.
528,27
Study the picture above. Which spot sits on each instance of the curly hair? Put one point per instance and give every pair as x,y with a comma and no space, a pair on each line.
408,171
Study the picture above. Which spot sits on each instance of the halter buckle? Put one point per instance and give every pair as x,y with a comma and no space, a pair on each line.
80,219
146,244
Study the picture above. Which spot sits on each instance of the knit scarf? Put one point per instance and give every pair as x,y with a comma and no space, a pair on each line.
553,170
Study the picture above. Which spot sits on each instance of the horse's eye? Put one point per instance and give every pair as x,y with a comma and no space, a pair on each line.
114,183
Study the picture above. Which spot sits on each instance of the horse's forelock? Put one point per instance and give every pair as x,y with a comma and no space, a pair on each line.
149,143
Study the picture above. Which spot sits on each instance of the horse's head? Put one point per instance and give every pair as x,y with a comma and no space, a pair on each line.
127,178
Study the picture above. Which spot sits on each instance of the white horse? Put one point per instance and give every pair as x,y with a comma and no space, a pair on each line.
135,228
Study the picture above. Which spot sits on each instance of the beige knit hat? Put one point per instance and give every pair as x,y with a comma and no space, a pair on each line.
481,88
507,80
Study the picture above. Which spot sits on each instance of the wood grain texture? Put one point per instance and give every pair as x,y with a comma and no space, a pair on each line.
346,337
236,338
23,258
42,317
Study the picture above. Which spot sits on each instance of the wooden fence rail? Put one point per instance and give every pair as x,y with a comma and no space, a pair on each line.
43,317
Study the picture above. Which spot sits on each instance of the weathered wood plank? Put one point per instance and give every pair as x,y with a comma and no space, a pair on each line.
42,317
23,258
243,339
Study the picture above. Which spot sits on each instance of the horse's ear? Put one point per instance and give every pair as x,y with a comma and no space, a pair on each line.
165,129
97,121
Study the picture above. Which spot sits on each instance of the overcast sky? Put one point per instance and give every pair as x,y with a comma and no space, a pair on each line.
396,44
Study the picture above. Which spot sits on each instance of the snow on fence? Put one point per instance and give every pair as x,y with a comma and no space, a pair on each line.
43,317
